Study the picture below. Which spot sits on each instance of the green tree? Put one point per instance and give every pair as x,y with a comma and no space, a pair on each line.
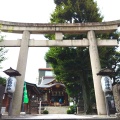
2,58
2,51
71,65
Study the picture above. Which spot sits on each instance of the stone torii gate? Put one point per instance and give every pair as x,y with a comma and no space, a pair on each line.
59,30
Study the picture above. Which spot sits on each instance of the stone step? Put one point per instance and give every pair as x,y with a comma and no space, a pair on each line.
57,109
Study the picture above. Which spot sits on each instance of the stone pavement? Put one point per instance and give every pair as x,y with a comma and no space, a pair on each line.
60,116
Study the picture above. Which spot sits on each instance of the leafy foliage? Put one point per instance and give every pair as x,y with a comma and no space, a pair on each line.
2,81
2,50
45,112
2,58
72,109
76,11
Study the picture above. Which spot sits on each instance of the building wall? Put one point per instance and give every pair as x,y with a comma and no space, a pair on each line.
44,72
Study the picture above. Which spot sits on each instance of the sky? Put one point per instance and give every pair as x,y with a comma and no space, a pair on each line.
38,11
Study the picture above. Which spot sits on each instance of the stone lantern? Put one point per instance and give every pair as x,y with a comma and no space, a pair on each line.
106,83
11,85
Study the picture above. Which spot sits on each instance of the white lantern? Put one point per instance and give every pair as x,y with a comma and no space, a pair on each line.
106,83
11,84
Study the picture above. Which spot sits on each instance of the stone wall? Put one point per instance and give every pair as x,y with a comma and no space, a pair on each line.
116,94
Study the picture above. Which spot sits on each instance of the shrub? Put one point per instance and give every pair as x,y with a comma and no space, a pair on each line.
45,112
2,81
69,112
72,109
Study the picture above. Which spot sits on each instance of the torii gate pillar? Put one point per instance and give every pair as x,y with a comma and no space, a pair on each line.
21,67
96,67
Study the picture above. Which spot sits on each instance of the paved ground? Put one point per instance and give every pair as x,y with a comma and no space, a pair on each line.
61,116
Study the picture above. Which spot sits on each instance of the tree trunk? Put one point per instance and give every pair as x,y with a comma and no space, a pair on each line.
86,96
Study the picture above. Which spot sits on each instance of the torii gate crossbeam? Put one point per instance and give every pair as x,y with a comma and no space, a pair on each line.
54,43
59,29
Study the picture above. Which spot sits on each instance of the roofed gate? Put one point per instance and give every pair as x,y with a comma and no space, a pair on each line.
59,29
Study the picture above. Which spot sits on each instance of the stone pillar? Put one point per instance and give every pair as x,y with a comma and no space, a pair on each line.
21,67
95,65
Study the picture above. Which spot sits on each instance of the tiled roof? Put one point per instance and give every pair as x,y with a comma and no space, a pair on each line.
46,69
48,86
47,81
33,85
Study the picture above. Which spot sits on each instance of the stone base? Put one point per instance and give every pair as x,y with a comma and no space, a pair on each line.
117,115
22,113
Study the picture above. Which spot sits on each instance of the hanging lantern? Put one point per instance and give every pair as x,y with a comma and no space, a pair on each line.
11,84
106,83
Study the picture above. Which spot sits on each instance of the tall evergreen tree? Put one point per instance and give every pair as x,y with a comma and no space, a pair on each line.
72,64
